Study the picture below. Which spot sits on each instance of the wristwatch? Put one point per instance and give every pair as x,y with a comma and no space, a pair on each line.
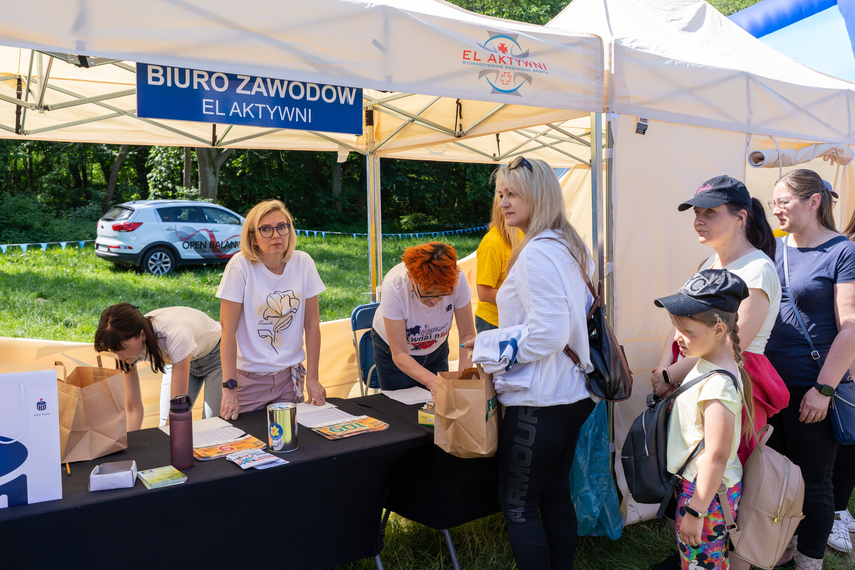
231,384
694,512
824,389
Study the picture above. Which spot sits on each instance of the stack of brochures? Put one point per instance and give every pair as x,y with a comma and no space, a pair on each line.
161,477
224,449
333,423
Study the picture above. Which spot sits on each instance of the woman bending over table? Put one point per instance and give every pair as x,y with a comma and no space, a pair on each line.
184,337
268,300
421,297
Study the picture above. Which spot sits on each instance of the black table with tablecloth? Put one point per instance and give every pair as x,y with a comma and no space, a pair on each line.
322,509
430,486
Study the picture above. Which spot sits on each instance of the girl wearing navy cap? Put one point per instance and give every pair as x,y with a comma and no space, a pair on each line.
704,314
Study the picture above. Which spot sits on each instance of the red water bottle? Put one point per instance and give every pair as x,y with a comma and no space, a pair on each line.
181,432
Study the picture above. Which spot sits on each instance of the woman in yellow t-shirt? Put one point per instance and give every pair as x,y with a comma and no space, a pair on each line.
492,267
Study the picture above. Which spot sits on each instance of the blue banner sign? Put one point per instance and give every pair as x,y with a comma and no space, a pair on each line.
226,98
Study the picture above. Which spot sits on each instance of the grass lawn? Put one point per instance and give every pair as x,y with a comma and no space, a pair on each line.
58,295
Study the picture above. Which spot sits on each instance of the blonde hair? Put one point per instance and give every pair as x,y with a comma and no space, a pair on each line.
540,189
509,235
248,247
711,318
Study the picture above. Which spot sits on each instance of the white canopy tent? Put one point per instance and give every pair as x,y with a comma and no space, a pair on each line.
710,95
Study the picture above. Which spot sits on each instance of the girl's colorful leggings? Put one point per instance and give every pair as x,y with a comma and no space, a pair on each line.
712,552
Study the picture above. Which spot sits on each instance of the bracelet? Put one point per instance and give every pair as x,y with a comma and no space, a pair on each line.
694,512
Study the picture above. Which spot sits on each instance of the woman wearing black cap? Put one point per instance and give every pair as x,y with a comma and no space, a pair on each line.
734,225
821,267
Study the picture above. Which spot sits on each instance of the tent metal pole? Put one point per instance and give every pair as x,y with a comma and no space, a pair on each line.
610,253
597,193
375,231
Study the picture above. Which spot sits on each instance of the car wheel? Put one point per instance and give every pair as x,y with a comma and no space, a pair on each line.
158,261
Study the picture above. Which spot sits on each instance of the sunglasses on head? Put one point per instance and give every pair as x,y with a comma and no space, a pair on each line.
520,161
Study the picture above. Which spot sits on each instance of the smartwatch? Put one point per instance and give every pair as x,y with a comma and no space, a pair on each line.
231,384
824,389
694,512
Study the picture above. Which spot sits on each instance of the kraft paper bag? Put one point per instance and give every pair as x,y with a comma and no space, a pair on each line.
29,438
466,414
92,420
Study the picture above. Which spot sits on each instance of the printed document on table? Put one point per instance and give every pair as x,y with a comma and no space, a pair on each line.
321,416
409,396
212,431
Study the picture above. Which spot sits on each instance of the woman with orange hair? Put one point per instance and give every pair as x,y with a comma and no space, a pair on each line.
421,297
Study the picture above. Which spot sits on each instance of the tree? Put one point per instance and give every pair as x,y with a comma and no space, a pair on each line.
210,161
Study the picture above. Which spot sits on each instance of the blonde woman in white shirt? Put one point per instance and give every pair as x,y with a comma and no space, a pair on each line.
546,292
268,302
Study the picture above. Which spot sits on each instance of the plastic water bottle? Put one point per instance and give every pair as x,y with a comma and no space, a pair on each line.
181,432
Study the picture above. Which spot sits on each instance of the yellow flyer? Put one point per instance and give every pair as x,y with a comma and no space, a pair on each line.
351,428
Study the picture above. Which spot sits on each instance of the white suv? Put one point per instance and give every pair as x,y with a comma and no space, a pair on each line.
158,235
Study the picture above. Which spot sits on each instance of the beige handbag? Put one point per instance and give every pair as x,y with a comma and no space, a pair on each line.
770,508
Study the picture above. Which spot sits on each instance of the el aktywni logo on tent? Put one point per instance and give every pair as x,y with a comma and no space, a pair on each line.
504,64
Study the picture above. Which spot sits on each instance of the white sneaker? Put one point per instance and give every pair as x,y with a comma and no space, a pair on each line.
839,538
847,518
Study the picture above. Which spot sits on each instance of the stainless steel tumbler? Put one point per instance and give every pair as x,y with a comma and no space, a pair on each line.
282,427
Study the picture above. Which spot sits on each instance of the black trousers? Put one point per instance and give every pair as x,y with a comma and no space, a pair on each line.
536,449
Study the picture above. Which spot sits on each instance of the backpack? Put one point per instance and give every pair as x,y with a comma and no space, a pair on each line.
643,455
770,508
611,378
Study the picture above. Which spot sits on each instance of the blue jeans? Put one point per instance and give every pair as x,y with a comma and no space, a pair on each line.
206,371
481,325
391,377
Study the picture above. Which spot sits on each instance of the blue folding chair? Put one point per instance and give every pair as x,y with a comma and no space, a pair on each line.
361,319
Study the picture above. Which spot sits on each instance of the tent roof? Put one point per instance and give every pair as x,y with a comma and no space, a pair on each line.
406,54
681,61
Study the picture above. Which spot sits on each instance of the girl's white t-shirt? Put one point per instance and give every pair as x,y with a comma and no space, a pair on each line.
427,327
184,332
270,327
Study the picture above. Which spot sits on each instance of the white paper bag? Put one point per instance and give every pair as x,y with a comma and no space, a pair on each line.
29,438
